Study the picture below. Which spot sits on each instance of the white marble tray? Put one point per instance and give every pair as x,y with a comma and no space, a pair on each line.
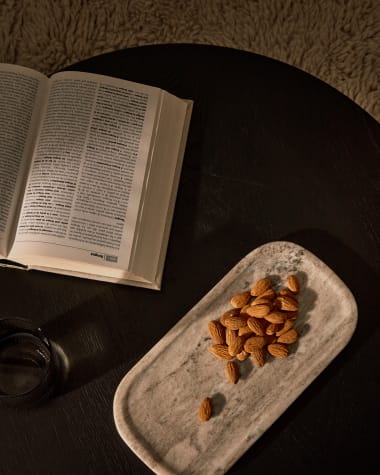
156,403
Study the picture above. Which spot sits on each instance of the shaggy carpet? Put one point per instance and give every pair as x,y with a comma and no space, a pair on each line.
337,41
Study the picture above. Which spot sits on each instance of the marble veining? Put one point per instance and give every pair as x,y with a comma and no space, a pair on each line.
156,403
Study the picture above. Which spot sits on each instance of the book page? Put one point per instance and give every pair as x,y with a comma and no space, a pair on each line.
21,98
159,201
83,194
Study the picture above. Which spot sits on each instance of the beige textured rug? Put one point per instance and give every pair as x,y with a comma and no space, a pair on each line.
337,41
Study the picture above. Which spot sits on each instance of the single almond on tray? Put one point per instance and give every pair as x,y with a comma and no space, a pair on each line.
273,328
233,373
292,283
288,324
276,317
287,303
268,294
258,357
230,335
286,292
254,342
245,331
220,351
289,337
259,311
236,346
217,331
256,325
234,322
241,299
262,301
228,314
260,286
278,350
205,410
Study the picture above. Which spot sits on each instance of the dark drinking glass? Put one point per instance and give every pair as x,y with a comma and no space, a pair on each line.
28,364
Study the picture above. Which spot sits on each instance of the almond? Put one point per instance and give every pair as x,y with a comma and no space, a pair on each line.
276,317
233,373
288,324
242,356
241,299
273,328
258,356
260,286
259,311
256,325
236,346
230,335
245,331
268,294
234,322
220,351
228,314
205,410
217,331
292,283
288,337
287,303
254,342
278,350
262,301
286,292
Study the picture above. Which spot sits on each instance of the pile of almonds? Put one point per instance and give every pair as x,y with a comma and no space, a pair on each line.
261,321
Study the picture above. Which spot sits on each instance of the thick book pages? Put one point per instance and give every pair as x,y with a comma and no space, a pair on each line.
95,189
22,94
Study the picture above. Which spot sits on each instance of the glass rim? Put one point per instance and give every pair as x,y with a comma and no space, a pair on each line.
9,324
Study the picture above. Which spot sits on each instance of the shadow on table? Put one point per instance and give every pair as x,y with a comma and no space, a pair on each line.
87,342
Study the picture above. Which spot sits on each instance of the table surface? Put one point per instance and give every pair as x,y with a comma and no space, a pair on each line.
272,154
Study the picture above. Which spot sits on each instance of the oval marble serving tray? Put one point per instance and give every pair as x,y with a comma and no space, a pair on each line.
156,403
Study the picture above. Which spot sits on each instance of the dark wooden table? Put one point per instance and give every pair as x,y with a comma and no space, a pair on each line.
273,153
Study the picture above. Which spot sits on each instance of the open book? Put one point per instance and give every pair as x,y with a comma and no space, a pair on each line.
89,172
